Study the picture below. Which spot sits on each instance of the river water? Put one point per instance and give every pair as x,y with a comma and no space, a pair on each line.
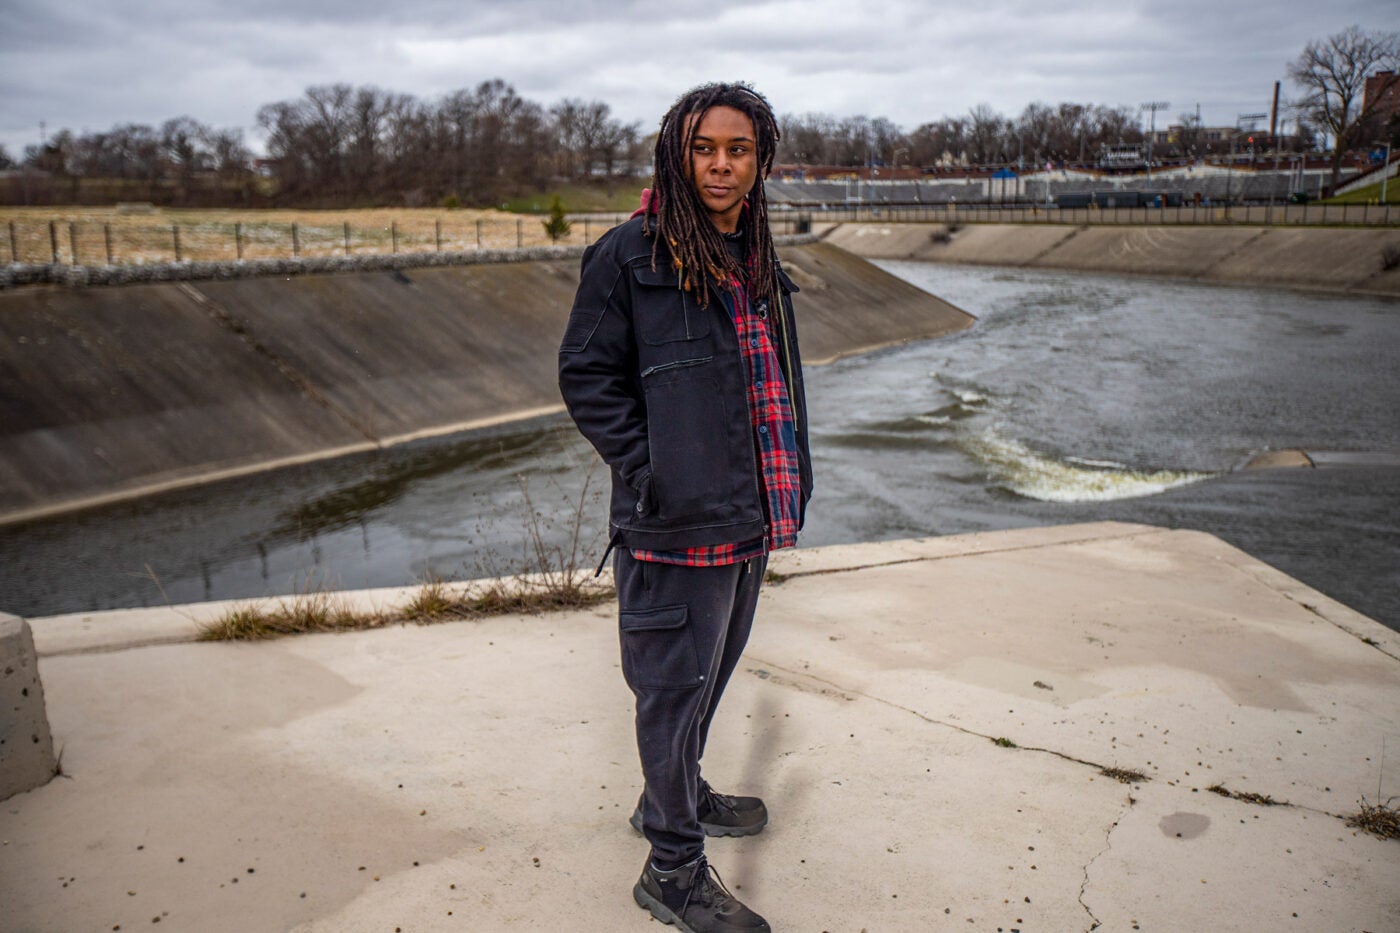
1075,398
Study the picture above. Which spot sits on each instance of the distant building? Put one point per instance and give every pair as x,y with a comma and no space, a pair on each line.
1381,100
1190,140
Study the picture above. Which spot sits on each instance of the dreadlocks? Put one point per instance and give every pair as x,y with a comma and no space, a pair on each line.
696,247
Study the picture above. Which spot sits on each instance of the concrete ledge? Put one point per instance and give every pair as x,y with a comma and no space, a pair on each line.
122,629
26,746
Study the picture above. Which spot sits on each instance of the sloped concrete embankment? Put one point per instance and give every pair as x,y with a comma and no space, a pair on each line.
111,392
1334,259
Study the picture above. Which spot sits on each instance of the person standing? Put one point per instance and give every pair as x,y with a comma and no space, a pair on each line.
680,365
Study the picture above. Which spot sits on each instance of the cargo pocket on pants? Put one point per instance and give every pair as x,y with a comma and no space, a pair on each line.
658,650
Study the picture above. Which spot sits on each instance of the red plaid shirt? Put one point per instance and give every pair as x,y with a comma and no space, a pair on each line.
775,442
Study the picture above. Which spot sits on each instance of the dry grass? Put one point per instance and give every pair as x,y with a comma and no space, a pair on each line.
212,235
434,601
1125,775
521,595
1262,800
294,615
553,582
1378,819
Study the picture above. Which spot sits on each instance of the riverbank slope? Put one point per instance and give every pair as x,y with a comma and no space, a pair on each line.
1343,259
113,392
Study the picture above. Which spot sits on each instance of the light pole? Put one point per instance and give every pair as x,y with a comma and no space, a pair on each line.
1152,107
1385,172
894,173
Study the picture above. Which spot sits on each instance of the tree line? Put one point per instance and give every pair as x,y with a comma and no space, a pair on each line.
1042,132
339,146
342,146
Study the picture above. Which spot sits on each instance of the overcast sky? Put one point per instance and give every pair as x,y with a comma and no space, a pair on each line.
89,64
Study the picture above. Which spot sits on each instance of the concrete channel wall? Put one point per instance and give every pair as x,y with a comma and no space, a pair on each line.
1330,258
116,391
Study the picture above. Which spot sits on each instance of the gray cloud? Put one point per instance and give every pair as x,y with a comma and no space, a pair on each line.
89,64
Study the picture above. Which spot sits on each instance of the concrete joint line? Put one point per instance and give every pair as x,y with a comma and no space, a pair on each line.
1238,249
154,641
1056,245
1063,756
226,320
851,691
1366,640
1009,549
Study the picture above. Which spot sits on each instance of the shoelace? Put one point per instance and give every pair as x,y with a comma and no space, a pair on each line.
717,801
706,877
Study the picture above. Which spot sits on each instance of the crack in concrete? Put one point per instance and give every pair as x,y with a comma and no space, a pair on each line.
1094,922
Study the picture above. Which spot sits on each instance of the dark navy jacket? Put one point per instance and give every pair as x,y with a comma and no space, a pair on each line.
658,385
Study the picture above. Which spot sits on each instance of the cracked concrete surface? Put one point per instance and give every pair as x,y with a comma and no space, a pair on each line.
478,775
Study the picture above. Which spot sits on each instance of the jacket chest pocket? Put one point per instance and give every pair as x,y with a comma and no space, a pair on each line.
663,312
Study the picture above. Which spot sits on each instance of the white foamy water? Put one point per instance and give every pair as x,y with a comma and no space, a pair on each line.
1036,476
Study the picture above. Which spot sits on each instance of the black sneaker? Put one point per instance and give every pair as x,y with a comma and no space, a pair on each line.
694,899
720,814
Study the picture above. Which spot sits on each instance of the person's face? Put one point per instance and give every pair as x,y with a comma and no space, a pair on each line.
724,164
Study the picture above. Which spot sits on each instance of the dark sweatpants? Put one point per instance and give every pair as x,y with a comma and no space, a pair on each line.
682,631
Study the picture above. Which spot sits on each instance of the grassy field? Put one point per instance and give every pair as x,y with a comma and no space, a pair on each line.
93,236
1371,194
620,197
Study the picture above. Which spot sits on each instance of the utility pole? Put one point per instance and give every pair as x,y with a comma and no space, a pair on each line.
1385,174
1152,107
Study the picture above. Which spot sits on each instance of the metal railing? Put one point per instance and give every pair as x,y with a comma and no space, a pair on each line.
1367,215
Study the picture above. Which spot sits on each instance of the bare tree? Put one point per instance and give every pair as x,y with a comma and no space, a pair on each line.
1332,73
988,134
940,142
806,139
182,149
228,156
1069,132
1035,128
567,119
1115,125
